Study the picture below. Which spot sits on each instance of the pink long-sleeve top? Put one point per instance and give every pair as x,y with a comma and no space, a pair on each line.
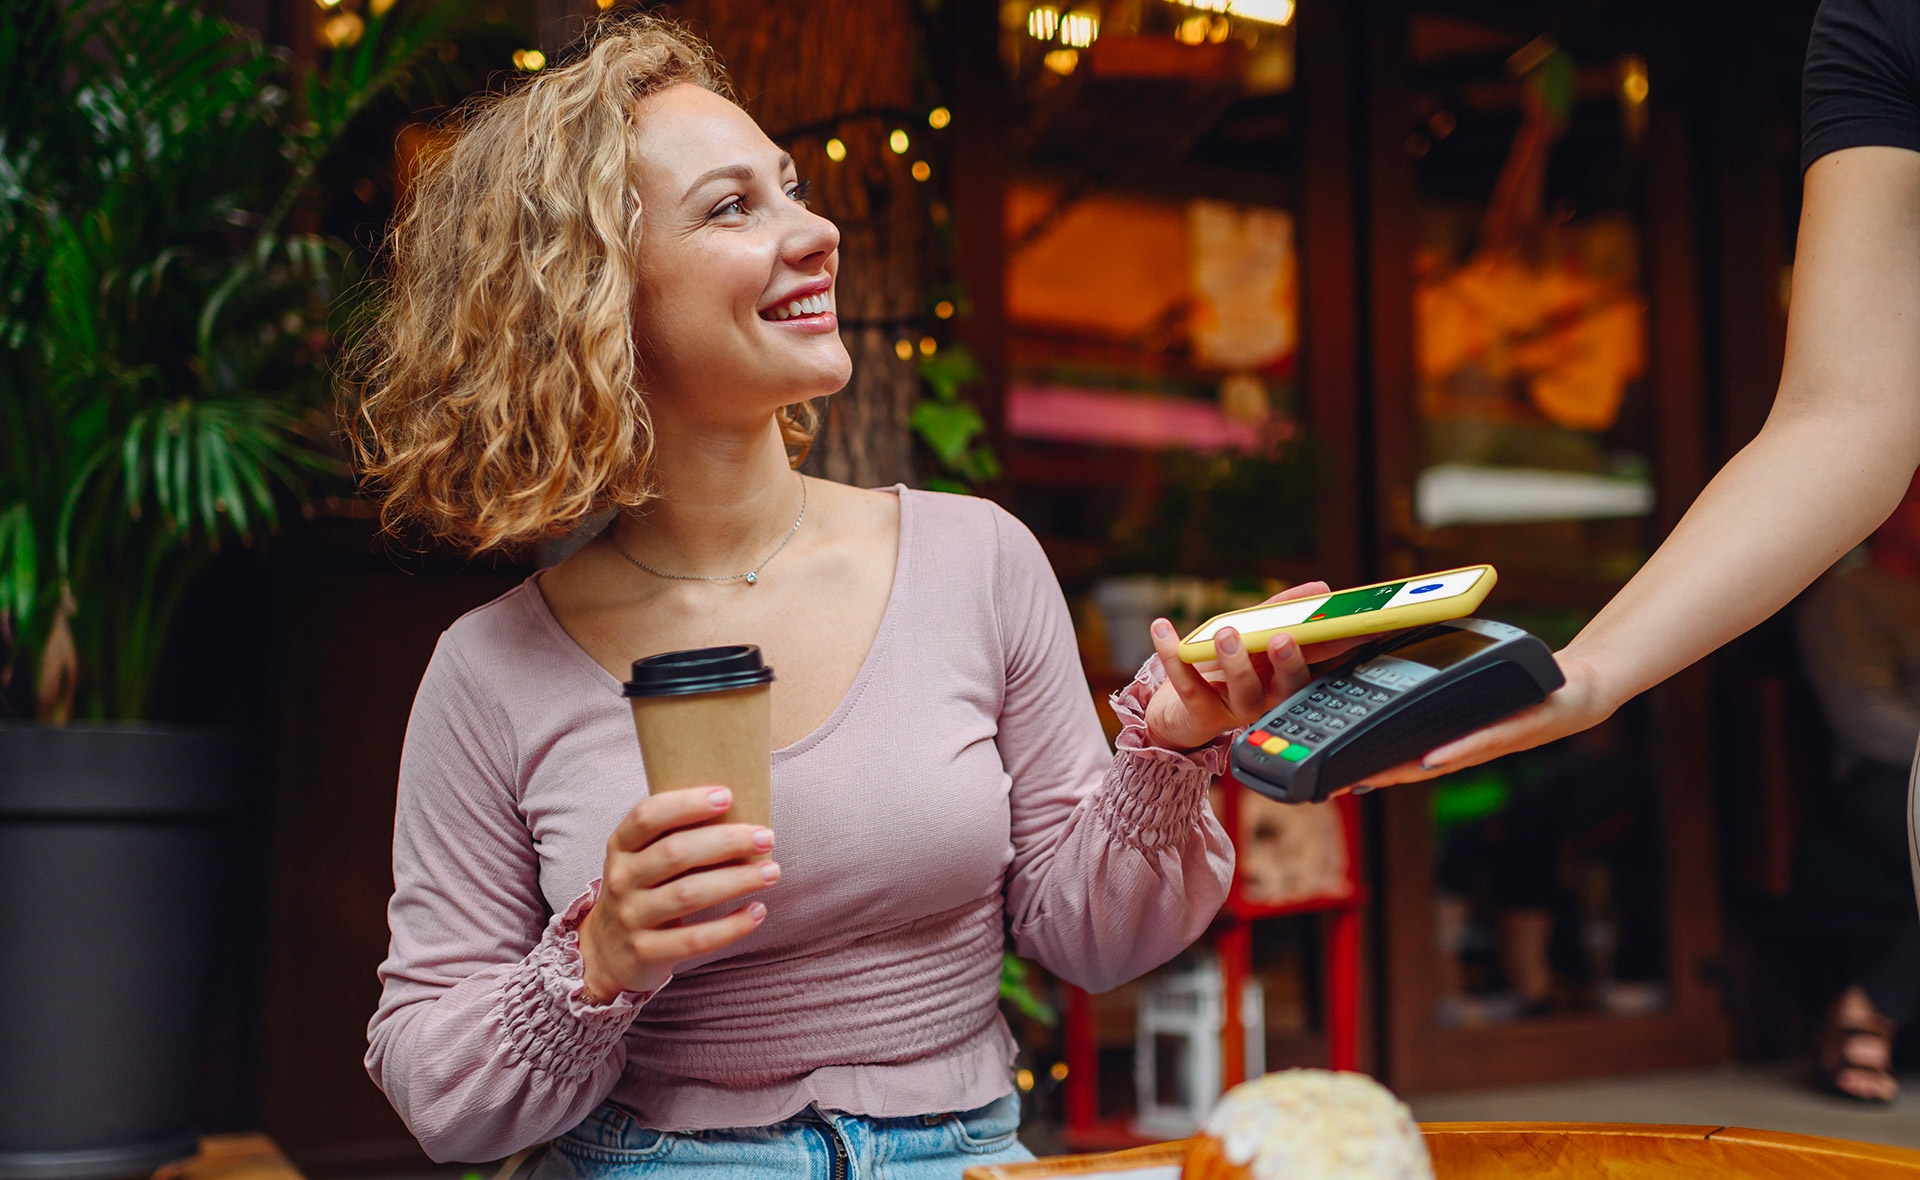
960,794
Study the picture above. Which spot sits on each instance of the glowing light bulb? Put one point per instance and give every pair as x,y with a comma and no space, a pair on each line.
939,117
1633,80
1024,1079
529,59
1059,1071
898,141
342,29
921,170
1062,61
1043,22
836,151
928,346
1269,12
1079,30
903,348
943,309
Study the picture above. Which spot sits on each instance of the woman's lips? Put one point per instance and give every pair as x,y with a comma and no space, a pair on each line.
818,322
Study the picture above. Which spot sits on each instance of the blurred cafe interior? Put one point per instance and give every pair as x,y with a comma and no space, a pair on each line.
1215,296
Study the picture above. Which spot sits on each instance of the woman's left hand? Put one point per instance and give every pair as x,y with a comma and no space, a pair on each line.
1199,702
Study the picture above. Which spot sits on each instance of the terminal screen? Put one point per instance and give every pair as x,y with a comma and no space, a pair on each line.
1445,650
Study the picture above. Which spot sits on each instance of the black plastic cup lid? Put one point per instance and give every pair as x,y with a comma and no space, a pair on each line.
699,669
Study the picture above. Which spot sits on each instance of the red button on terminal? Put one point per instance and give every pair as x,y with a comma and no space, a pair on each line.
1257,736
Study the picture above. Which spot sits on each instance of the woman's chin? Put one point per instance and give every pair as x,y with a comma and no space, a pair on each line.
825,381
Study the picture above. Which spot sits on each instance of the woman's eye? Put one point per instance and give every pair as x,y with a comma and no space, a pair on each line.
733,208
800,191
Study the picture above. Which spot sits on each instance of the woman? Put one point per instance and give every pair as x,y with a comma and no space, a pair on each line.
609,293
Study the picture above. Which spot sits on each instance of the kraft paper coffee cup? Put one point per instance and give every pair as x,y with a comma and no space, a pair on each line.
705,719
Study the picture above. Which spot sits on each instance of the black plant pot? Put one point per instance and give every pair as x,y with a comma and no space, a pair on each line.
111,846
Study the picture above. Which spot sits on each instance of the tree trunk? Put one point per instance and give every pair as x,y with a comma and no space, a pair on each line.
825,69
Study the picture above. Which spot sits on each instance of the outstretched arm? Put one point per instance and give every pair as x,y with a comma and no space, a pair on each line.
1834,458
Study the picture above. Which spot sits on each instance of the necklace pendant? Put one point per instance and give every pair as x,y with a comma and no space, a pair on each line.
752,578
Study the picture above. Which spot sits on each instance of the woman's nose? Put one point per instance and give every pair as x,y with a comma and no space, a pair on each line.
811,238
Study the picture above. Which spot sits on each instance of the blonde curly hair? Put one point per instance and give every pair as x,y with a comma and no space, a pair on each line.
495,397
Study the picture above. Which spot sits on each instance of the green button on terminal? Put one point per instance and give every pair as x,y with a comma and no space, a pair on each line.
1295,752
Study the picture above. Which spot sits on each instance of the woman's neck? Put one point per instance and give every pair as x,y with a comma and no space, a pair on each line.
725,501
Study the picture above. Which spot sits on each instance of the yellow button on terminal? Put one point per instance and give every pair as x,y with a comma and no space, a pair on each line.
1275,745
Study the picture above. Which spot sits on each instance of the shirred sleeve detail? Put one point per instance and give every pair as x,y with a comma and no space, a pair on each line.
1154,796
547,1016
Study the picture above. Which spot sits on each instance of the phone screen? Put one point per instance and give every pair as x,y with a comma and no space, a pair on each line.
1346,602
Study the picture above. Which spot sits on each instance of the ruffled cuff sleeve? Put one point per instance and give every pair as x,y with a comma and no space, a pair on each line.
1154,796
549,1021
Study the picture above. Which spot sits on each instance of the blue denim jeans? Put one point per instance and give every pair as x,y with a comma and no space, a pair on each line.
611,1145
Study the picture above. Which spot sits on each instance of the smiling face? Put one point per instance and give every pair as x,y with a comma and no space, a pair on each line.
734,315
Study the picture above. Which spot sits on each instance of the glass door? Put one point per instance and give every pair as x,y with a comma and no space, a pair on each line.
1537,406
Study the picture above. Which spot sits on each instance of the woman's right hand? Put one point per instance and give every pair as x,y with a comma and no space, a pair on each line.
659,869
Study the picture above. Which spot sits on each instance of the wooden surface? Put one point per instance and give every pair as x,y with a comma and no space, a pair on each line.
1573,1151
1155,1155
1629,1151
233,1157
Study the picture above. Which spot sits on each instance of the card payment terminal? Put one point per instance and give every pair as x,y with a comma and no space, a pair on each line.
1391,702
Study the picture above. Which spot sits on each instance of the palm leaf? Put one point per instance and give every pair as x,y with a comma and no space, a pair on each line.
19,567
207,502
179,441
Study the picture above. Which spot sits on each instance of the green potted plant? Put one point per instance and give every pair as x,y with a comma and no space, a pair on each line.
163,361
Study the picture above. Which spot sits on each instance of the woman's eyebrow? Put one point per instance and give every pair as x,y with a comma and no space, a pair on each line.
742,172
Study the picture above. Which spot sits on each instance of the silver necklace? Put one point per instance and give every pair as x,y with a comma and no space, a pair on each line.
751,577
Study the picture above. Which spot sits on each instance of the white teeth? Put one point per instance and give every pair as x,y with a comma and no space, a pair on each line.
809,305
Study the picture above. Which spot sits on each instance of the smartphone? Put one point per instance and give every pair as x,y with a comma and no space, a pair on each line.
1362,610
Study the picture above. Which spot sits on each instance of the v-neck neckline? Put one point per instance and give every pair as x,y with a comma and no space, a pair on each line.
875,651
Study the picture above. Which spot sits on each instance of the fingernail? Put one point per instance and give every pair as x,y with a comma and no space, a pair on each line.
1282,643
757,912
1363,788
1162,629
770,872
1425,765
1229,644
719,797
762,839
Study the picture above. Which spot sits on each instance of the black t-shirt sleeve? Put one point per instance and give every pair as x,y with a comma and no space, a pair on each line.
1862,82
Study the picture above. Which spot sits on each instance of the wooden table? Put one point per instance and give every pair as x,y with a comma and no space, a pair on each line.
233,1157
1571,1151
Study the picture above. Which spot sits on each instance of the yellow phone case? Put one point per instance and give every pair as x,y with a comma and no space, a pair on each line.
1198,644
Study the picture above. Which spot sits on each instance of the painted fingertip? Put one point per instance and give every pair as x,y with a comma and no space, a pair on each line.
757,913
1362,788
1162,629
1228,643
719,797
1426,765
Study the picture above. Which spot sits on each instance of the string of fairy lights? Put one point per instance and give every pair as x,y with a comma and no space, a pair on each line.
1064,33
